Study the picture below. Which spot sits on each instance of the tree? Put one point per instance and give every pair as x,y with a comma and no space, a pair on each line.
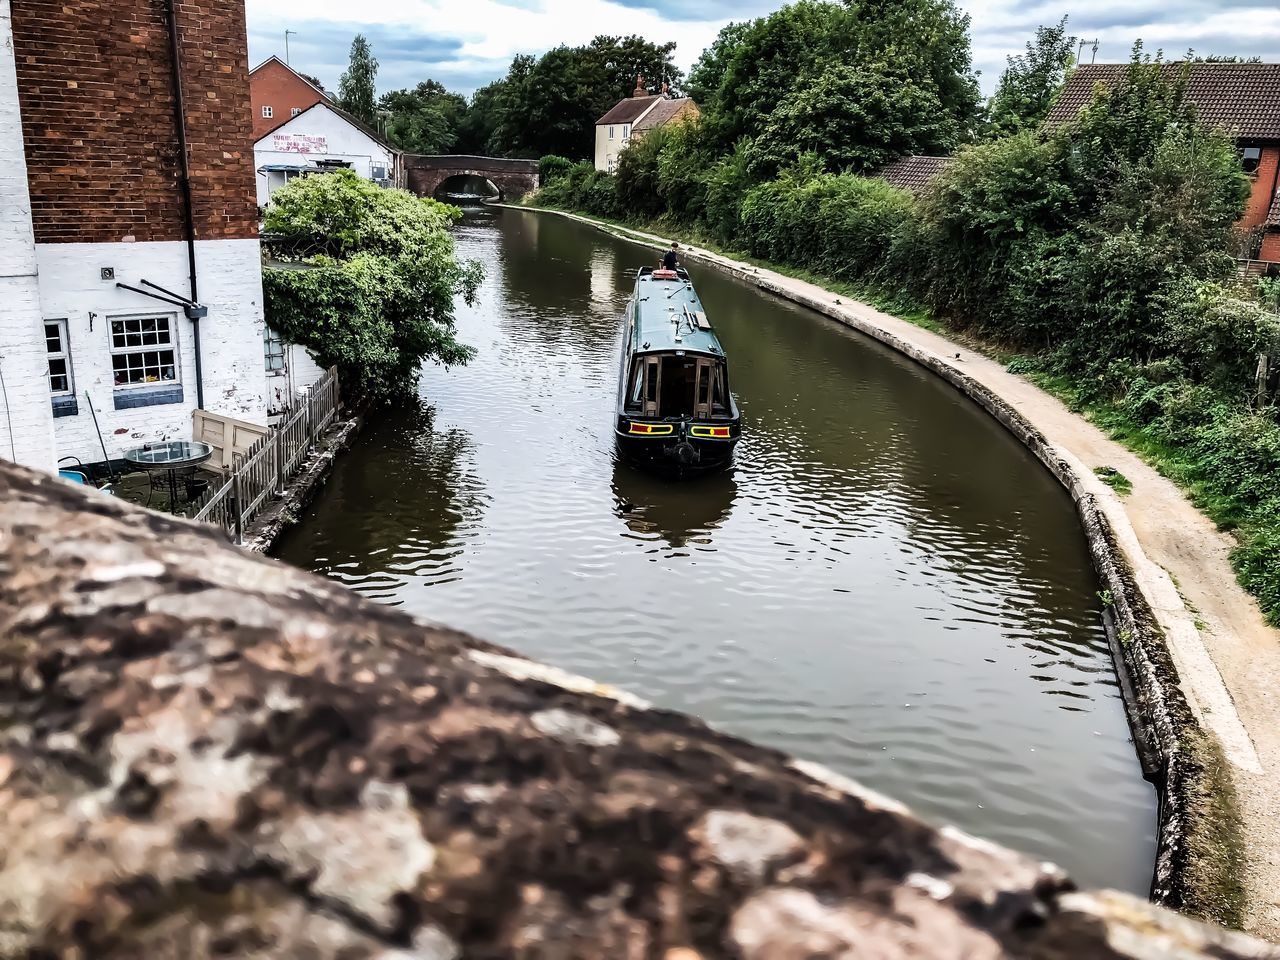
855,120
426,119
550,105
357,87
709,70
368,279
756,68
1031,81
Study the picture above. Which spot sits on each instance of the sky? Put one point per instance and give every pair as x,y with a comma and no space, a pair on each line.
465,44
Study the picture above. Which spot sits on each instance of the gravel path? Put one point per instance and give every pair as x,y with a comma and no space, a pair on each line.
1228,658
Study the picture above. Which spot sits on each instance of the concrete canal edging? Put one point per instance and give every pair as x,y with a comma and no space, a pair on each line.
1179,659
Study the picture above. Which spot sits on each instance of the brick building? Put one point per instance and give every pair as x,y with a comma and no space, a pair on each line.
279,93
96,102
1242,99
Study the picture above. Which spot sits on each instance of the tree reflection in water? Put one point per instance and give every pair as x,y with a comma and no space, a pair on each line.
384,519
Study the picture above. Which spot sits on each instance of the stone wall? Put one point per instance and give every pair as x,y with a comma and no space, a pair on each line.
205,753
514,178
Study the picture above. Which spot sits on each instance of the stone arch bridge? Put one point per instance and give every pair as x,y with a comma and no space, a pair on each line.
513,178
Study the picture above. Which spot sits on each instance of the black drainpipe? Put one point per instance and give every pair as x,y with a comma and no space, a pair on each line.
180,117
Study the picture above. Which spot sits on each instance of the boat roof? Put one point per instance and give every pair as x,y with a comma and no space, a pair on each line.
669,316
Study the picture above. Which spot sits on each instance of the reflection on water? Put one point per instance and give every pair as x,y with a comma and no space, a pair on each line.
887,582
645,504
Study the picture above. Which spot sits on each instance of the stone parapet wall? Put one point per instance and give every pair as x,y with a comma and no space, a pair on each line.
205,753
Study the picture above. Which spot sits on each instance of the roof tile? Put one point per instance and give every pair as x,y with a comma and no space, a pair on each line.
913,173
625,111
663,112
1243,98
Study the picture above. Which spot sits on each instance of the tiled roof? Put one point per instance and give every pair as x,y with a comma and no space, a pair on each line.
663,112
1273,218
913,173
1240,97
627,110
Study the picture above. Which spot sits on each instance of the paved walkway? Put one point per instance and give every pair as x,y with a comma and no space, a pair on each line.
1226,655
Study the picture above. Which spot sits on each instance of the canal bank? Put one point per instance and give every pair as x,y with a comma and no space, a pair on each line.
1176,612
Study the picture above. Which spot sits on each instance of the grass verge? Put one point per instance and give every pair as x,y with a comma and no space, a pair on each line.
1212,878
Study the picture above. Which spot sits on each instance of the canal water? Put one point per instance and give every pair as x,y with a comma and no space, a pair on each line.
886,583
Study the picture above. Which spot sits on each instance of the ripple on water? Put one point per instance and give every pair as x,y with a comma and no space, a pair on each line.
887,583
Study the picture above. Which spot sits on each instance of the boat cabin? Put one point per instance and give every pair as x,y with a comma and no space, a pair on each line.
676,364
675,411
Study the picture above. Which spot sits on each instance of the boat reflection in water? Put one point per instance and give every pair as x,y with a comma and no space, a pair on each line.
675,412
652,508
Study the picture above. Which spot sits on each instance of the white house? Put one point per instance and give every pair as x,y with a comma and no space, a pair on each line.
322,137
123,295
632,118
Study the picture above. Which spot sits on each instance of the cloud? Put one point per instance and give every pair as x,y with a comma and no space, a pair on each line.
466,43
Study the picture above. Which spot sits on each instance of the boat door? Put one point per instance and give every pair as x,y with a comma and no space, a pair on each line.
702,391
651,370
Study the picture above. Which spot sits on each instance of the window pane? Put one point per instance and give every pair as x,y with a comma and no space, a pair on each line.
59,384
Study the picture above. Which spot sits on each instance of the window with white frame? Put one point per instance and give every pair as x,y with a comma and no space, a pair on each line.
55,339
273,347
626,132
144,351
611,133
267,112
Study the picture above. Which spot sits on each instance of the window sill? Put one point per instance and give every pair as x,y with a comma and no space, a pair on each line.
127,398
66,406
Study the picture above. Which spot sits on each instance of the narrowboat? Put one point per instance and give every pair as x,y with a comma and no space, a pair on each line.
675,412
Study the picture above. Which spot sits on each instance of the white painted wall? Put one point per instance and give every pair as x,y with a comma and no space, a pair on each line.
343,141
607,149
299,373
26,419
230,285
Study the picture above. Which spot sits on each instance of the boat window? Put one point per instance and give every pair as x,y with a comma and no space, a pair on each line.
719,395
651,398
635,386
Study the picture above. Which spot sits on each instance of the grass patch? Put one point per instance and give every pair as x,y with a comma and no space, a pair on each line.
1114,479
1213,875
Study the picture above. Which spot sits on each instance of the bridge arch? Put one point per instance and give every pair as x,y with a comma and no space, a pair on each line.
512,178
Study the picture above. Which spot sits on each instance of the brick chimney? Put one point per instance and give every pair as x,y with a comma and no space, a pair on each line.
640,91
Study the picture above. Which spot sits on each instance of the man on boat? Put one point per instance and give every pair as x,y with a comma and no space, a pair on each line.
670,260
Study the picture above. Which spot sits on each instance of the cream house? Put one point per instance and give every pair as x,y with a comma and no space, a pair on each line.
633,117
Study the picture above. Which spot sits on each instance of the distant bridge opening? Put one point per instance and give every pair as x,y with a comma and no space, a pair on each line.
467,188
512,179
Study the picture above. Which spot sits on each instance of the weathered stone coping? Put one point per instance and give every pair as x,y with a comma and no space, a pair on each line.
1163,724
206,753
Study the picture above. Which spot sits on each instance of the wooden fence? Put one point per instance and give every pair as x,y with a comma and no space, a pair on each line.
264,469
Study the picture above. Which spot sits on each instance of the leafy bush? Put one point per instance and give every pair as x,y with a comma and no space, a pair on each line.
582,187
833,224
639,178
365,279
727,182
552,167
855,119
